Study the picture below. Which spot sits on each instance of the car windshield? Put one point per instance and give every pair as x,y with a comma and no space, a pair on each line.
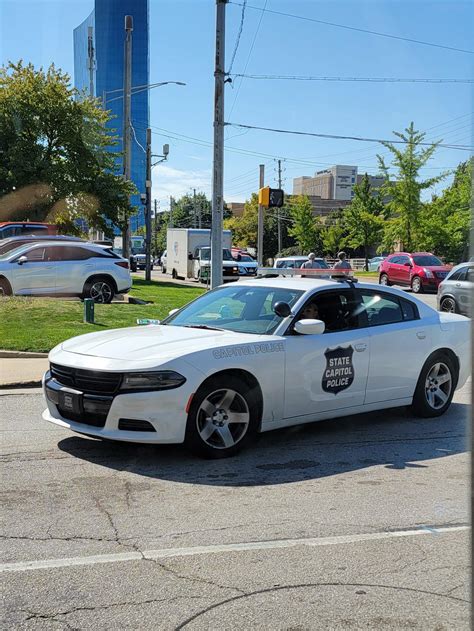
246,258
226,254
427,259
322,264
245,309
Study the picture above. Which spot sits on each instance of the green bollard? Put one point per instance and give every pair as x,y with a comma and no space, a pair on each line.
89,310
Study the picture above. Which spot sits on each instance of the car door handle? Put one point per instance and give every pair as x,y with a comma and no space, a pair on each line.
360,347
458,284
420,335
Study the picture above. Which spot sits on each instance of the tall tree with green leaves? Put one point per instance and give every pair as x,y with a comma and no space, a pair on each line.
56,163
305,227
363,219
446,219
334,234
404,191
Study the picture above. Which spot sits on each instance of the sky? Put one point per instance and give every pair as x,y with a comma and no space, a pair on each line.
182,45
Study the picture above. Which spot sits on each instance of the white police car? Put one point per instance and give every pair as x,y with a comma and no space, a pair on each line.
258,355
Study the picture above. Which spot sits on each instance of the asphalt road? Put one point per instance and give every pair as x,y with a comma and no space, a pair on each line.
357,523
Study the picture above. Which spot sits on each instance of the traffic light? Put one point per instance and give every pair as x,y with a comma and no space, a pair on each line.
271,197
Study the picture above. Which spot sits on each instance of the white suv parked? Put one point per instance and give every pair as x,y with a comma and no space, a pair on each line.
71,269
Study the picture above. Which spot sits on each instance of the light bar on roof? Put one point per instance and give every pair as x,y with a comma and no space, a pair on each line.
314,273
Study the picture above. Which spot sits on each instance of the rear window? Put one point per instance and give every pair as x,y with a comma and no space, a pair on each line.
427,260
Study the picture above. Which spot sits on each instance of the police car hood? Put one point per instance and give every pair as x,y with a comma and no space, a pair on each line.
148,345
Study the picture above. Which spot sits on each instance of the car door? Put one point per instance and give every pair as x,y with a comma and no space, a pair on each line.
399,345
404,270
73,265
36,275
328,371
462,283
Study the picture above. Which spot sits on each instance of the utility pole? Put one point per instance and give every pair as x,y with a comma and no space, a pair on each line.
148,207
155,202
194,208
279,210
127,138
90,63
170,223
260,220
218,161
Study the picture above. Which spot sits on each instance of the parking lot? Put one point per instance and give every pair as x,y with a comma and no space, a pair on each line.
353,523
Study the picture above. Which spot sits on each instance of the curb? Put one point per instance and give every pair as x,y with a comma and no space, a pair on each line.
22,355
20,384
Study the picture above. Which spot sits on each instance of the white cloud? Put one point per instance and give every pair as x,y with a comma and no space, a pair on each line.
169,181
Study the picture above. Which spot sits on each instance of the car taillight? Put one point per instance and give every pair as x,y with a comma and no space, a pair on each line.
122,264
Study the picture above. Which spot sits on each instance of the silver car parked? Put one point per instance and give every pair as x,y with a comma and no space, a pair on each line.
455,292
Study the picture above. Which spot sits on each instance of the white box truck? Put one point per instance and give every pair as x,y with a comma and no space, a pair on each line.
188,254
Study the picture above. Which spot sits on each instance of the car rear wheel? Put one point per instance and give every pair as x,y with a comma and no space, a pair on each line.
100,289
222,419
448,305
383,280
416,285
5,288
435,387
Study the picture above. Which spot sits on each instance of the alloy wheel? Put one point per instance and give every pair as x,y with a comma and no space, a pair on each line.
101,292
448,305
438,385
223,418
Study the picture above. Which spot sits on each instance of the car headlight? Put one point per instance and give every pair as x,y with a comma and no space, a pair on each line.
428,273
163,380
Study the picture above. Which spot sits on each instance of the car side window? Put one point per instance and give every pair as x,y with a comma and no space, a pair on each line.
337,309
381,308
459,274
402,260
393,259
470,274
68,253
36,255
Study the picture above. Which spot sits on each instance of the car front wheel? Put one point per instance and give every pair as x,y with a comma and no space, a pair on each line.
416,285
435,387
222,419
5,288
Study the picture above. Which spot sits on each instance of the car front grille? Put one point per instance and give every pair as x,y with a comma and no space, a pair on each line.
88,381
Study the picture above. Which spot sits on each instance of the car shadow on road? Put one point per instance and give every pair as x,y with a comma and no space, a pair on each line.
392,438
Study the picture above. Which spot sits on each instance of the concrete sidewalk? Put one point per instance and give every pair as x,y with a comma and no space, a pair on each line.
22,372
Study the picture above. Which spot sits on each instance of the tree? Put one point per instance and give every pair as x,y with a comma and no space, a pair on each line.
56,161
445,221
363,218
334,234
404,193
305,228
244,229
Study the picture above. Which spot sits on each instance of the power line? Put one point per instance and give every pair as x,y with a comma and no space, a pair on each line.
358,79
249,55
136,139
337,137
237,41
360,30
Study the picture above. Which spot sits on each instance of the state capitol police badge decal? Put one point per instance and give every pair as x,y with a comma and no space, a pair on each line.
339,373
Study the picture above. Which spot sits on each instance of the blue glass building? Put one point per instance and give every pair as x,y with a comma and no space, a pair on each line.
108,27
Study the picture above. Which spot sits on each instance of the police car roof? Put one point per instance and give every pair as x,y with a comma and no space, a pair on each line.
294,282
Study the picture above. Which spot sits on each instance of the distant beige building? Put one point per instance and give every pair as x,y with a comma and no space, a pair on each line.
237,208
336,183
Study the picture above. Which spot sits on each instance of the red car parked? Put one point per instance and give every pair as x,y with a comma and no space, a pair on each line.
421,271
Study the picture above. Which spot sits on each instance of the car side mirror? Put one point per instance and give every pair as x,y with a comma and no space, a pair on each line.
282,309
239,257
172,312
310,327
22,259
190,257
407,264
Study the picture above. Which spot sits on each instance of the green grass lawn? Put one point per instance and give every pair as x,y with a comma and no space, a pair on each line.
38,324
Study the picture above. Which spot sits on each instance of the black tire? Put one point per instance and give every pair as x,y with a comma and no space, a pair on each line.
163,270
5,288
101,289
449,305
416,285
383,280
427,402
174,274
212,394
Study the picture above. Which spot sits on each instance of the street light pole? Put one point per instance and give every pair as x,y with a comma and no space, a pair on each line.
148,207
218,162
127,139
260,220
